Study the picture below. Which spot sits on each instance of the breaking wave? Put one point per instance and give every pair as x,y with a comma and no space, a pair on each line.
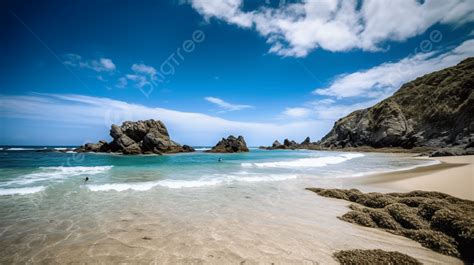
178,184
305,162
48,173
21,191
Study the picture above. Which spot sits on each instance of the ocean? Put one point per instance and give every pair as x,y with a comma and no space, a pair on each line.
173,207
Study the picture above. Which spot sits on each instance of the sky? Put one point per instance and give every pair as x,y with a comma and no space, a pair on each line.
264,69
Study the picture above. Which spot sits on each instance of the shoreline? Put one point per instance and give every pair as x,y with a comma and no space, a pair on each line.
274,221
453,176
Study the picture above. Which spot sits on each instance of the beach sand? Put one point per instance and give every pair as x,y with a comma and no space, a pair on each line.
454,176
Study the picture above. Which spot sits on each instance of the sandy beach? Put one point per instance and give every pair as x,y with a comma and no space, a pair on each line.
454,176
236,222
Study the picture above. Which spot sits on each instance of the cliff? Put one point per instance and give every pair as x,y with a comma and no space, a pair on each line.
435,110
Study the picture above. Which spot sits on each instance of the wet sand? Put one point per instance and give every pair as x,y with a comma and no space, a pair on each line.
454,176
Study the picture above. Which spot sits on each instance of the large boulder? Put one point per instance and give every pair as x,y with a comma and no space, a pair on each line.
140,137
230,145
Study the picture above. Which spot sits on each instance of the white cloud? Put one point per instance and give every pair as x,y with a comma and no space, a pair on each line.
143,76
107,64
298,113
226,106
185,127
297,28
144,69
383,80
98,65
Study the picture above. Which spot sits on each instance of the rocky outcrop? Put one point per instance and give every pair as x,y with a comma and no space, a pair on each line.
433,111
141,137
230,145
290,144
373,256
101,146
459,150
438,221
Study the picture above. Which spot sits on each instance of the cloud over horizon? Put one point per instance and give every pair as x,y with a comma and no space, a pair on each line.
185,127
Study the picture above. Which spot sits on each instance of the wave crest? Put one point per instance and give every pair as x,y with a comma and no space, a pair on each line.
21,191
179,184
305,162
48,173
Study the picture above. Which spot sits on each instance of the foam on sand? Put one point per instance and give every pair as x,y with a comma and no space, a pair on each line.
21,191
305,162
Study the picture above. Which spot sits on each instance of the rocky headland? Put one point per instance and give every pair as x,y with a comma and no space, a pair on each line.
140,137
230,145
431,114
434,110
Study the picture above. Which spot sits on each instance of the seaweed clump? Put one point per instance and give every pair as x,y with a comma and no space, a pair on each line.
373,256
437,221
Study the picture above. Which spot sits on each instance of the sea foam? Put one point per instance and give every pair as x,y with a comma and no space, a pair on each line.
49,173
24,149
216,179
305,162
21,191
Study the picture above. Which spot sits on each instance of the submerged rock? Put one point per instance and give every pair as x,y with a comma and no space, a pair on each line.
230,145
436,220
141,137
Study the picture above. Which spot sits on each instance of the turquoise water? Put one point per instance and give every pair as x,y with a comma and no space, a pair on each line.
27,171
184,208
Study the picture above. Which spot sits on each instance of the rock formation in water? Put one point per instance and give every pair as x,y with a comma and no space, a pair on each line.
287,144
230,145
141,137
435,110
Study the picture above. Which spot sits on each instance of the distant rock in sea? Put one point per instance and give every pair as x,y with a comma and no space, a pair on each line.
141,137
230,145
287,144
435,110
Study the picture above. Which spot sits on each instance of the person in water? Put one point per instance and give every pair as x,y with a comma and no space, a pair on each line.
219,160
86,179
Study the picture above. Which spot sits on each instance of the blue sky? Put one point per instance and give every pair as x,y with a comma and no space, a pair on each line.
264,69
